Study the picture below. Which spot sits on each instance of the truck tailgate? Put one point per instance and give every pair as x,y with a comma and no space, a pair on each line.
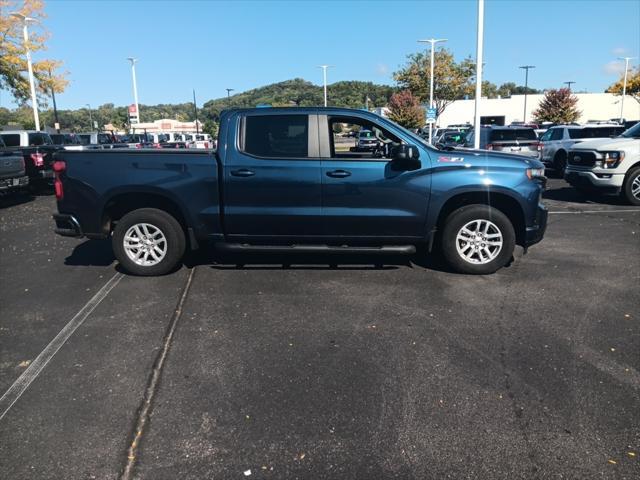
11,165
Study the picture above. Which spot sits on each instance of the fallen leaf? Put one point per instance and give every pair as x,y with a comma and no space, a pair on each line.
631,454
612,462
24,363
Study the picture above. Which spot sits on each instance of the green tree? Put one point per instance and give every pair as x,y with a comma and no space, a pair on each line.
13,62
452,80
510,88
558,106
405,110
633,84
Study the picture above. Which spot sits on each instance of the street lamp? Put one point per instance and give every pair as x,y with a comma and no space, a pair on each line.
479,52
433,42
526,89
135,86
229,90
90,117
569,83
624,84
324,75
25,34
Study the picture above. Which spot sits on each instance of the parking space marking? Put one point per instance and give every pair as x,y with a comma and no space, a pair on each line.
577,212
16,390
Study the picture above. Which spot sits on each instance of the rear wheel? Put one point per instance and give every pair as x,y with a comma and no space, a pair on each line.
148,242
631,187
478,239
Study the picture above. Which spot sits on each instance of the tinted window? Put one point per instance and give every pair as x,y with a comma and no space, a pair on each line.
36,139
512,134
276,135
85,139
11,140
104,138
596,132
557,134
547,136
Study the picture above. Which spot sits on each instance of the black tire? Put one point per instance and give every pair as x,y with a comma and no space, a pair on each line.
560,163
627,187
470,213
174,245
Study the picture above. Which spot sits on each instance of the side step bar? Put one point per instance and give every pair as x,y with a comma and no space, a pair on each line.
385,250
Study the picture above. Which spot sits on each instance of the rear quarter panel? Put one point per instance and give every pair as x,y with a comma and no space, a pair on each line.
93,178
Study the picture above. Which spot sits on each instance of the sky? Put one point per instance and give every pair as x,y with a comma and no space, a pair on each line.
213,45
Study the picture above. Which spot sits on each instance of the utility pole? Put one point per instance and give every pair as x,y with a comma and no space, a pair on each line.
526,89
55,108
229,90
90,117
25,35
479,51
324,75
624,85
135,86
568,84
195,110
433,42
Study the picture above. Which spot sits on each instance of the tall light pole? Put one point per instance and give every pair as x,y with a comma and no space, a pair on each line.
229,90
25,34
526,68
569,83
479,50
135,86
624,84
90,117
195,111
433,42
55,107
324,76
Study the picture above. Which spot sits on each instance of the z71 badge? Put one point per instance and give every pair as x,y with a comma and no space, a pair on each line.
450,159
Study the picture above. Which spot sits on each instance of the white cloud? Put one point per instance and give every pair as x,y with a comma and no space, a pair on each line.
614,67
619,51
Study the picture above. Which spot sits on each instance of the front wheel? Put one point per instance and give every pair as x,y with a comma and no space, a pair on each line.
631,187
148,242
478,239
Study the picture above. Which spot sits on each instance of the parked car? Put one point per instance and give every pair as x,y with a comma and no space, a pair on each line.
450,140
99,140
366,141
277,184
12,172
173,145
557,141
37,149
518,140
608,166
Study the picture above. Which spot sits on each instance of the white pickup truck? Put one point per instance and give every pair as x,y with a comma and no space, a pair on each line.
609,166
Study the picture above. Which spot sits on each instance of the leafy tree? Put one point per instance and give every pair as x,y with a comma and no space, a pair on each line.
13,62
558,106
510,88
633,84
452,81
405,110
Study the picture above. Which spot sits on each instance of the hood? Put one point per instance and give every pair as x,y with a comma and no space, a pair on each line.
607,144
512,159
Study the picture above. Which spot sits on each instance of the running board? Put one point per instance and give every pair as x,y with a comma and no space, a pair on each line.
384,250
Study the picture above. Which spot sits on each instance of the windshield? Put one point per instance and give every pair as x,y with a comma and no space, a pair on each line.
513,134
633,132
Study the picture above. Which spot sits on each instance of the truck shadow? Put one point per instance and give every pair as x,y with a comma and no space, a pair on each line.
91,253
13,199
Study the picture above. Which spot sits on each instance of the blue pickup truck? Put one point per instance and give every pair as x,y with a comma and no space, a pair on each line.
283,180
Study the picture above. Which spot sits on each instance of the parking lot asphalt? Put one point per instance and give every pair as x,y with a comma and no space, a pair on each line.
301,367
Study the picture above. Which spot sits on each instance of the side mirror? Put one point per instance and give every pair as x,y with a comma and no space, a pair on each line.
405,157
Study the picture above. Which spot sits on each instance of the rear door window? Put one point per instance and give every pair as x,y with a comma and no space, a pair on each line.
557,134
513,134
276,136
37,139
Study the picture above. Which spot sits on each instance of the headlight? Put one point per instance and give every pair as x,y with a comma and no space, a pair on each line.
535,173
611,159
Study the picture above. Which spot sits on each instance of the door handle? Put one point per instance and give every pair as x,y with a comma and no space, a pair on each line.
339,174
243,172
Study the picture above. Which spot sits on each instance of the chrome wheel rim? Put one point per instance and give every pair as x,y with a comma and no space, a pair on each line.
479,242
145,244
635,187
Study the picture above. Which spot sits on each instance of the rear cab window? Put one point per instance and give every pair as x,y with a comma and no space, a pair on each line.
513,134
275,136
11,139
37,139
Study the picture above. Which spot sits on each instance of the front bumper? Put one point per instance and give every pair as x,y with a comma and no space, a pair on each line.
535,232
603,181
67,225
11,183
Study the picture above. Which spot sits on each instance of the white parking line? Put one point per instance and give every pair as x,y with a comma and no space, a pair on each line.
577,212
14,392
